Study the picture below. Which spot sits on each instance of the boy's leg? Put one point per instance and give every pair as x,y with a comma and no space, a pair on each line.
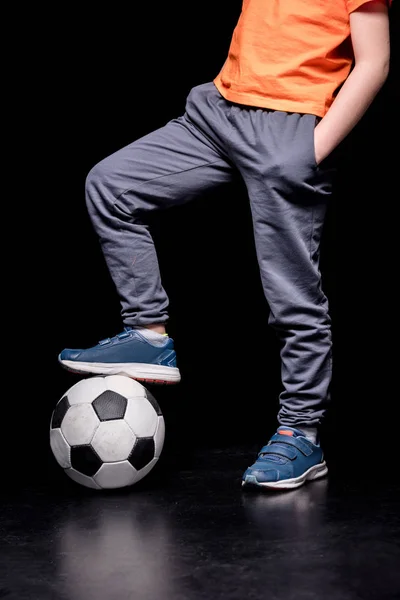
289,194
165,168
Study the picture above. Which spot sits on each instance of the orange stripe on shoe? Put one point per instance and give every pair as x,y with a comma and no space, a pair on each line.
285,432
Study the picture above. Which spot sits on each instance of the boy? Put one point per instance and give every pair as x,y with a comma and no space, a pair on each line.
298,77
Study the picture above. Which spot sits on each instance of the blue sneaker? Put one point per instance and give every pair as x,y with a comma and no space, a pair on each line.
286,462
128,353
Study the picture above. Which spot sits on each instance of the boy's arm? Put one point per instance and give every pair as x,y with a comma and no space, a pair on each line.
369,26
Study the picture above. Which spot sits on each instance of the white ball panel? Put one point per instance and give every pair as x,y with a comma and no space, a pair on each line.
79,424
113,440
146,470
82,479
124,385
86,390
141,417
116,475
60,447
159,436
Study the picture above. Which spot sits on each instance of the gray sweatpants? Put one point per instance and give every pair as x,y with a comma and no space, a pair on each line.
273,151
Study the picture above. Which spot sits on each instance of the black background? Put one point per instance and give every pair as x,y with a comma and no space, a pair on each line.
91,82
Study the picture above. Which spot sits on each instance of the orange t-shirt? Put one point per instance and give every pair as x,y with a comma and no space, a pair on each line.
289,55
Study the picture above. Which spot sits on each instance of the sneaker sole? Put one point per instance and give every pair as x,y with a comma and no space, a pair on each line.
313,473
139,371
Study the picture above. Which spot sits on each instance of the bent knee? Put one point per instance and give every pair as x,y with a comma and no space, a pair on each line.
99,176
100,188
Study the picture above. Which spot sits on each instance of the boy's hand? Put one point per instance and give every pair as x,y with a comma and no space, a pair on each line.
322,150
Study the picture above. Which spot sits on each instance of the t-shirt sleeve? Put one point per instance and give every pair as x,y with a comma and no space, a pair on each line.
354,4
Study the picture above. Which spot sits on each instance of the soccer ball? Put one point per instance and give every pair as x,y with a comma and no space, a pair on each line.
107,432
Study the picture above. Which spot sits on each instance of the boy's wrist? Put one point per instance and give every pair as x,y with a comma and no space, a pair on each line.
323,144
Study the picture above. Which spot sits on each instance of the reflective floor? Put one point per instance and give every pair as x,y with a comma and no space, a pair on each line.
188,531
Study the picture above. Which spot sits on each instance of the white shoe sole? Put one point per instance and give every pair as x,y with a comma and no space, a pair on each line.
312,473
139,371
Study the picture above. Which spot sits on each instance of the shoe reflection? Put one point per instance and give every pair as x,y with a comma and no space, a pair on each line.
294,511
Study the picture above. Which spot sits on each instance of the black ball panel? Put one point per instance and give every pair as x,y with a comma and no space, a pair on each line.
85,460
59,412
142,453
153,402
110,406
